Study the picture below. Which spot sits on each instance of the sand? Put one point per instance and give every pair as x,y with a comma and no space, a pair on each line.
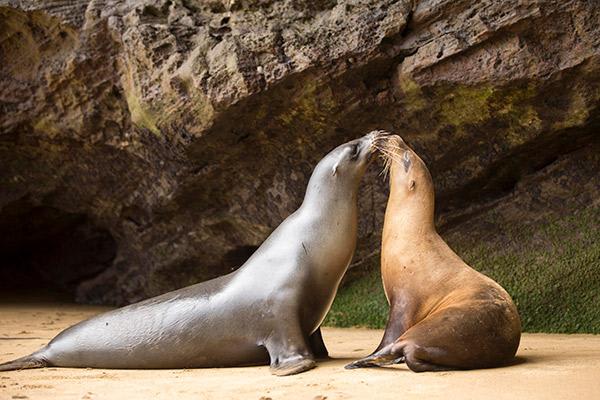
547,367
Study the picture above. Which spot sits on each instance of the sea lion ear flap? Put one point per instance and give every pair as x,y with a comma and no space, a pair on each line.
411,185
334,169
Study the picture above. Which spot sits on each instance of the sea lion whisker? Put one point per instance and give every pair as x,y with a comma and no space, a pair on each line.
387,164
388,156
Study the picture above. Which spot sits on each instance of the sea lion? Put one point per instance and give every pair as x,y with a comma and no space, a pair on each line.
443,314
270,308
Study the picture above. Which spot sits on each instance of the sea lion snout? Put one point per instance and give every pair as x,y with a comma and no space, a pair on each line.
388,143
379,133
368,142
393,150
392,140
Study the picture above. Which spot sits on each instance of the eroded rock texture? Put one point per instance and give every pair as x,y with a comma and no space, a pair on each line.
174,135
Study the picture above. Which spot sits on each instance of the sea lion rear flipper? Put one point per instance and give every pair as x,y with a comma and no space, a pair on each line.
289,352
27,362
317,345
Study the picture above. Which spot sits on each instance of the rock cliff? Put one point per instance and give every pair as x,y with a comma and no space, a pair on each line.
147,145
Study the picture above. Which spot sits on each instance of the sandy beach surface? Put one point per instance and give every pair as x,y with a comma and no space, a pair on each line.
547,367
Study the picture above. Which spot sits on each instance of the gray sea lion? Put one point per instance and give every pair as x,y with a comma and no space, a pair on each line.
270,308
443,314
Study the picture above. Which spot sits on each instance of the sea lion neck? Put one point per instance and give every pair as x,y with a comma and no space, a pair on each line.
409,211
318,192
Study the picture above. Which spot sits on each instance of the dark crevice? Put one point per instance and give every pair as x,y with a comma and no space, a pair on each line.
45,248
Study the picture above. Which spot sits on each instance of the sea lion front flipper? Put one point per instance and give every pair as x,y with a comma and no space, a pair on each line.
380,358
289,352
362,363
317,345
292,365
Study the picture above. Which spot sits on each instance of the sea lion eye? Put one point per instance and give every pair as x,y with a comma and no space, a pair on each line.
354,151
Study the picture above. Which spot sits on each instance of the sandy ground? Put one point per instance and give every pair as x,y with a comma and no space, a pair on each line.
548,366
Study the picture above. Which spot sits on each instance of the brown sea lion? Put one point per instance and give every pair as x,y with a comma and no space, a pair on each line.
443,314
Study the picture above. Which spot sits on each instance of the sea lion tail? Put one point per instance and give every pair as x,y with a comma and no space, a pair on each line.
34,360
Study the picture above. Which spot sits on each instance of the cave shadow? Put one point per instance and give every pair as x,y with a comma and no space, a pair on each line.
46,252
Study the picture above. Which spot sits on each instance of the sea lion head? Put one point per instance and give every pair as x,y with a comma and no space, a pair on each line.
409,176
343,167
